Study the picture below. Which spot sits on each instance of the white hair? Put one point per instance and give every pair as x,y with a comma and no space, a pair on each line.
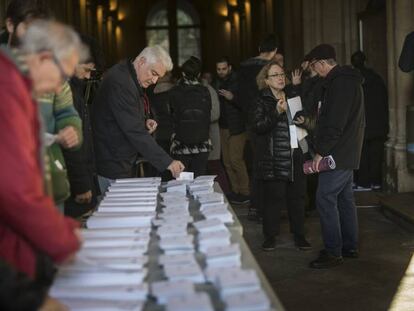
59,39
156,54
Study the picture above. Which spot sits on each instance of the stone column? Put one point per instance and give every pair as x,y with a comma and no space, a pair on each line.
400,21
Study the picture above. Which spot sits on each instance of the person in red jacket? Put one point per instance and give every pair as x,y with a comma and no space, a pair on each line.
30,225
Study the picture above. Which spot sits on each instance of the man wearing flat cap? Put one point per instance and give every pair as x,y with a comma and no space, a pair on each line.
339,133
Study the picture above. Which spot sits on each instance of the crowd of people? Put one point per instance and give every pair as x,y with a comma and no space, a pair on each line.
67,134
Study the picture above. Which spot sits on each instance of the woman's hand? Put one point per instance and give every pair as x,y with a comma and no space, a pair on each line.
296,77
281,106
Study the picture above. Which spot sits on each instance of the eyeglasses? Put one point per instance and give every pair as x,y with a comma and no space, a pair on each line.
278,75
312,65
63,74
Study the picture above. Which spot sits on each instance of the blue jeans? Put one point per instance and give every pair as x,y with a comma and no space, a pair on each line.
337,211
104,184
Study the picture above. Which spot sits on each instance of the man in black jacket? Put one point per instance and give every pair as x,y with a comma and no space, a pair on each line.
233,134
119,109
339,133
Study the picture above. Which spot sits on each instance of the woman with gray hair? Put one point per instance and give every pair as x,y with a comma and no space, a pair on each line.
35,235
279,164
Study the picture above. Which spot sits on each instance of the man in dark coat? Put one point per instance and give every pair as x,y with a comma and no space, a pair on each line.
339,133
118,118
369,174
233,134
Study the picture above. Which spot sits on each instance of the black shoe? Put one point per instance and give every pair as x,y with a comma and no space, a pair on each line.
326,260
350,253
240,199
302,244
269,245
231,196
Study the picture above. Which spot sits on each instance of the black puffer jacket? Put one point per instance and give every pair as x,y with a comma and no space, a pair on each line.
274,155
231,112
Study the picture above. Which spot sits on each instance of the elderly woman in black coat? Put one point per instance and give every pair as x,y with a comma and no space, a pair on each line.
278,165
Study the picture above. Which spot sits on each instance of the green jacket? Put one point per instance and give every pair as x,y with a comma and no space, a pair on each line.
58,112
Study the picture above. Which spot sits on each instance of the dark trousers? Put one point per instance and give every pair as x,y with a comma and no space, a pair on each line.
281,194
337,212
256,185
370,167
196,163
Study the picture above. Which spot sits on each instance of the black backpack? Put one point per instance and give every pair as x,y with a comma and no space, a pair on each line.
191,105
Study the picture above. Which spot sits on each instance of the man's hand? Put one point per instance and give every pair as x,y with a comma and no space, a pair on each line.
84,198
315,163
176,167
296,77
68,137
226,94
151,125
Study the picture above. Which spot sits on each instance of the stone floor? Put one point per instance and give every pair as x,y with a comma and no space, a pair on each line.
368,283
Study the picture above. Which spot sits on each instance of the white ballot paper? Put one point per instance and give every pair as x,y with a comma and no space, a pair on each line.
142,180
212,273
205,178
295,105
137,292
186,176
112,293
238,282
224,256
164,290
183,259
101,278
209,225
199,301
191,272
214,197
102,305
114,241
104,252
115,232
119,221
213,239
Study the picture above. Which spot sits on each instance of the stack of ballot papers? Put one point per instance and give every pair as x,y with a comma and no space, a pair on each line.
220,212
115,232
237,282
119,292
172,230
177,186
209,225
138,180
223,256
109,270
125,220
205,240
102,305
247,301
165,290
210,198
175,259
191,272
177,244
197,301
